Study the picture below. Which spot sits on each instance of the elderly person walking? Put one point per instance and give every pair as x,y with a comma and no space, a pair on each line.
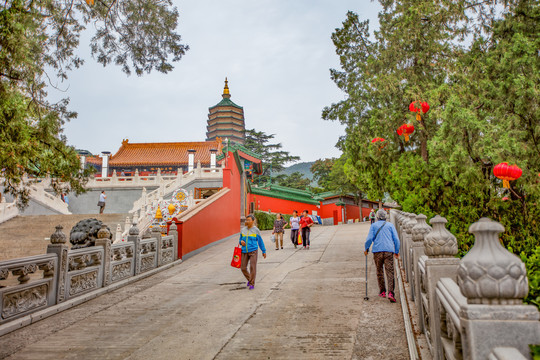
385,241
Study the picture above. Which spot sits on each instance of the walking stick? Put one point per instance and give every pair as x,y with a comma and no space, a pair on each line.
366,297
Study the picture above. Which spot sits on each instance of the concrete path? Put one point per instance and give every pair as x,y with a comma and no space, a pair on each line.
307,304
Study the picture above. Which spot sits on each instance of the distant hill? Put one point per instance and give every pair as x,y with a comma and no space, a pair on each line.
303,168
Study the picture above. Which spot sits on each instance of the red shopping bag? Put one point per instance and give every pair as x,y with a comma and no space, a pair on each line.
237,257
299,238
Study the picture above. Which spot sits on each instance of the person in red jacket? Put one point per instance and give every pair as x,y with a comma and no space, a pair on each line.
305,228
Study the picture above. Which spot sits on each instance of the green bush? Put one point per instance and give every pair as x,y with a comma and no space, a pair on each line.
265,221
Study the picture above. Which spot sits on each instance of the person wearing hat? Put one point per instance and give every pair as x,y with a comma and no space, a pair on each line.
385,241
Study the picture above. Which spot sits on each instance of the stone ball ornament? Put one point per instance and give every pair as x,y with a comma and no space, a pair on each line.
440,242
489,273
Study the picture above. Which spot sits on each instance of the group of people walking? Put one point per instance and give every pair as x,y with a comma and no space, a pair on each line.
300,226
251,240
382,235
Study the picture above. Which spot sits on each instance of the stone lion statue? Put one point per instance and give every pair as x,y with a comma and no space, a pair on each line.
84,233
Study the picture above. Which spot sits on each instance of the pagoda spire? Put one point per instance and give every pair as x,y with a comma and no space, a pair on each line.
226,93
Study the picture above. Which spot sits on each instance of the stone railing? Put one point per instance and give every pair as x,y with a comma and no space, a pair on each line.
169,187
38,194
33,284
137,180
8,210
469,308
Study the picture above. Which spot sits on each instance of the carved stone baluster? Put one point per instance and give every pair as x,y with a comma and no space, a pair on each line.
419,231
156,233
407,244
173,231
58,246
494,281
440,247
104,240
135,239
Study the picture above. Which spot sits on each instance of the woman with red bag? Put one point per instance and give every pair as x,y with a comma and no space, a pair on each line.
251,241
305,225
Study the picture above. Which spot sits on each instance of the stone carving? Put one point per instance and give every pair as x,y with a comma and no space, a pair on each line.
147,263
78,262
24,300
440,242
4,273
167,256
134,230
83,282
58,237
48,269
449,331
24,271
490,274
121,271
85,233
420,229
62,276
104,232
119,254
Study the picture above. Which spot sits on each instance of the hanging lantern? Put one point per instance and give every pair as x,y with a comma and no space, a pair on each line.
505,198
378,139
507,173
419,107
405,130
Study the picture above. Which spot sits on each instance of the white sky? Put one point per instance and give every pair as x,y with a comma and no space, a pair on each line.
275,53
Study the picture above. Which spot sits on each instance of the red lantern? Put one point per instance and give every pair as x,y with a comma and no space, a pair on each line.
505,198
419,107
405,130
377,139
507,173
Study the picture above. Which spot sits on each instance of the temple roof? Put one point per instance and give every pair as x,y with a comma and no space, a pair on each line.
226,102
166,153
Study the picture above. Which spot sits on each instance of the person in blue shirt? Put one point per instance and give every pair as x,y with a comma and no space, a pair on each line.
385,241
251,241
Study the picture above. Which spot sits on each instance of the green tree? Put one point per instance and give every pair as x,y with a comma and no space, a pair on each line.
296,180
484,99
321,171
273,158
38,42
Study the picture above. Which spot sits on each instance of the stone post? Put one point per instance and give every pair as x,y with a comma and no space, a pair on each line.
419,231
134,238
440,247
156,233
494,281
173,231
104,239
407,239
58,246
118,235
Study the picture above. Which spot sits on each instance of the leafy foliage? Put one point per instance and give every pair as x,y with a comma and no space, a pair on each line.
485,109
273,158
38,41
296,181
265,221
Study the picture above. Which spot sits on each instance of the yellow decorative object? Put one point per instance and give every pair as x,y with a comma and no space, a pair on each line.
158,214
171,208
226,88
90,2
180,196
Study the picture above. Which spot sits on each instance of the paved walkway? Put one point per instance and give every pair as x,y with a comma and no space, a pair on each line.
307,304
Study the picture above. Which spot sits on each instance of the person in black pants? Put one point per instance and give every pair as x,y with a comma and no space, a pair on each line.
305,226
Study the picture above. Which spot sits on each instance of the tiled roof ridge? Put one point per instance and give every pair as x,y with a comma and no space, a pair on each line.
166,144
284,196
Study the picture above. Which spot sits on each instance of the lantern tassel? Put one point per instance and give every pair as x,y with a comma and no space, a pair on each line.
406,137
506,184
418,117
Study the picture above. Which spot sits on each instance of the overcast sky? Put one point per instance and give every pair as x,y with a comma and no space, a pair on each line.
275,53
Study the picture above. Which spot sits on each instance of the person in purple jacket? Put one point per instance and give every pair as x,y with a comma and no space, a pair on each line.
385,241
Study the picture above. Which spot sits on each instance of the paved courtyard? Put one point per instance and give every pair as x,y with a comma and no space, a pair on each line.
307,304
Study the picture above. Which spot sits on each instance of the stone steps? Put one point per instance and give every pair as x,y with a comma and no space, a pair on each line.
25,235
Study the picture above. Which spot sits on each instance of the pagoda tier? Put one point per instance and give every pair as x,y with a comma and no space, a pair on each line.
226,119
